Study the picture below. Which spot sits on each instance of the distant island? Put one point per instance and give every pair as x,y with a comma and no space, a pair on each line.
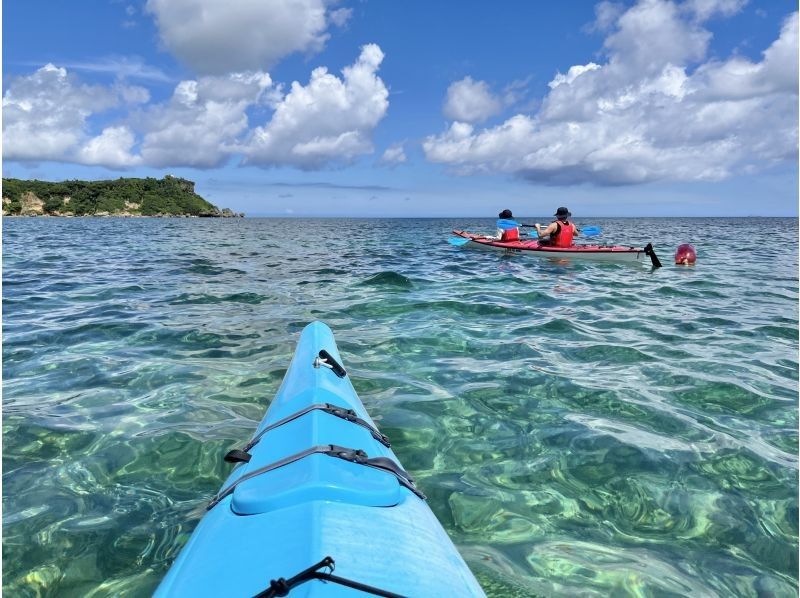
170,196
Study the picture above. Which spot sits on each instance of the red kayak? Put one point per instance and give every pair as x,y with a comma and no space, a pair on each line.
603,253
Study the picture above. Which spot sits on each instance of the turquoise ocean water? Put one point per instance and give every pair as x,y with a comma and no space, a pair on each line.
579,429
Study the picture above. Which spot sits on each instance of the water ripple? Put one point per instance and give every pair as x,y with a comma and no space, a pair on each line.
579,428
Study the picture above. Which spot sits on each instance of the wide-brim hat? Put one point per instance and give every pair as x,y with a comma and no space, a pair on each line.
563,212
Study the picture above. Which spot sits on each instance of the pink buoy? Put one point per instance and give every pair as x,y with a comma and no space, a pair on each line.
685,255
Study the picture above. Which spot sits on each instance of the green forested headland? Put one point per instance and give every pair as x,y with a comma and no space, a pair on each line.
170,196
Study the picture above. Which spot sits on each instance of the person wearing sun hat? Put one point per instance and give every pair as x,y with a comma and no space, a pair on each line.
560,232
507,227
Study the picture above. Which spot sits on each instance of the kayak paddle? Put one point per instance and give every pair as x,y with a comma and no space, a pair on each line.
586,231
589,231
458,241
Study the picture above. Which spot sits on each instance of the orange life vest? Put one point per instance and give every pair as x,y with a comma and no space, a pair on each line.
512,234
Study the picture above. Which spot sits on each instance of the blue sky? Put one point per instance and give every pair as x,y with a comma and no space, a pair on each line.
307,107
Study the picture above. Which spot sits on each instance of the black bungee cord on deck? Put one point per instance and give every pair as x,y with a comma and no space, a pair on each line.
282,586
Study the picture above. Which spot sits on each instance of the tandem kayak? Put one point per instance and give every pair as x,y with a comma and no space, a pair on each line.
317,488
603,253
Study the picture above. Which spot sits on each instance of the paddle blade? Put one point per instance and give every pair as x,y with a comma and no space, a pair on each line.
650,252
458,241
591,231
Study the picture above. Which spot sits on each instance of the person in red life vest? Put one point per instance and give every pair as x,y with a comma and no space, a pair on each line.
558,233
507,227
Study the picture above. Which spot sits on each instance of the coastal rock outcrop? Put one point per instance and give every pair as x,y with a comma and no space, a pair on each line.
30,205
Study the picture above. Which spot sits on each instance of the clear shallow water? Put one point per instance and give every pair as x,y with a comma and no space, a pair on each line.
579,429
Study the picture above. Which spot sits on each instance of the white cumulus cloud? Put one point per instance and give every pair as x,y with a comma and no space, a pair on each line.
341,16
394,154
470,101
328,120
51,115
606,14
46,114
656,109
215,37
203,117
112,148
705,9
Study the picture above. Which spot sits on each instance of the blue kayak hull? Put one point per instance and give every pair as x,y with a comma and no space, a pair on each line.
277,523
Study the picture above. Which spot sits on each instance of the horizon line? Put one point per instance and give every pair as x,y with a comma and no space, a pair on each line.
387,217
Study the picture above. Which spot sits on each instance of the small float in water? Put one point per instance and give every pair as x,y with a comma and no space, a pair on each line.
685,255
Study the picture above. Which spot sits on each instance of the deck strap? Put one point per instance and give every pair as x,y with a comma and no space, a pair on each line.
237,455
353,455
